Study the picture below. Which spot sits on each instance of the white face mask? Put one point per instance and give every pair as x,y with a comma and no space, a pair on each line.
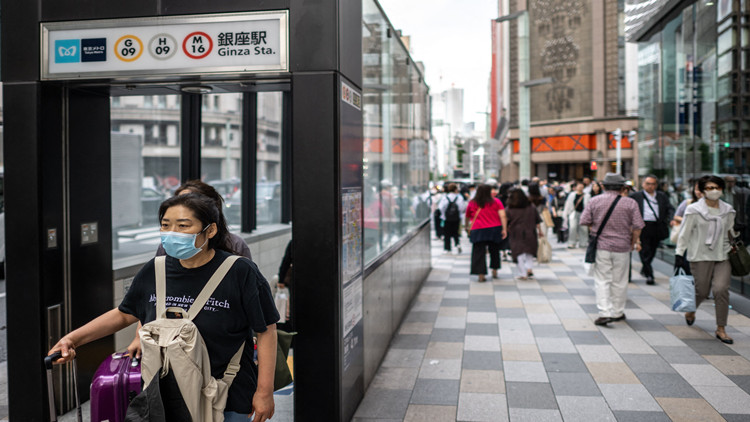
713,195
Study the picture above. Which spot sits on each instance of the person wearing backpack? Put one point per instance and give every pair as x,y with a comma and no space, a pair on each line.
225,297
451,207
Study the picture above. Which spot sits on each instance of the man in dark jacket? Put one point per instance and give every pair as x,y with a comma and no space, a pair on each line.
657,212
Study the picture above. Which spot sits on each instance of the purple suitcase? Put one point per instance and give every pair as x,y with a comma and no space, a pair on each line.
115,384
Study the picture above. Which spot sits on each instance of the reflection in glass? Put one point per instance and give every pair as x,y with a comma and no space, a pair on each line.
268,187
145,143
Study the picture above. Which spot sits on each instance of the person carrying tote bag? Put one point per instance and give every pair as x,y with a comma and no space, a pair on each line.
486,222
704,229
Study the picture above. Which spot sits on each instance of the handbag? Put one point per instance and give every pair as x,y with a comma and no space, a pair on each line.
682,292
591,248
544,251
674,234
282,375
547,217
739,257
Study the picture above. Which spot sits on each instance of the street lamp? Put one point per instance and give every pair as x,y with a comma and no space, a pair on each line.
524,112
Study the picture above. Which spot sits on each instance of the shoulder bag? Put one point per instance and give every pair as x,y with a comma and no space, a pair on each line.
739,257
468,229
591,248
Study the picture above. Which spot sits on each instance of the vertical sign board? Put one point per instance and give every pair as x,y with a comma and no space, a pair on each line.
352,254
165,45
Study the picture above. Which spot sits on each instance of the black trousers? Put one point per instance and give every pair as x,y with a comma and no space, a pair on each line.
438,221
478,257
450,231
649,244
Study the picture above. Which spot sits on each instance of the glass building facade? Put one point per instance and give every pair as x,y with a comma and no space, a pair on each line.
694,102
396,115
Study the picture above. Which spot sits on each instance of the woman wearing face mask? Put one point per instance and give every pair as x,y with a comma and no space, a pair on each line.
196,246
705,228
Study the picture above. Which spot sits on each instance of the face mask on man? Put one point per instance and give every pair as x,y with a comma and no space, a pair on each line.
181,245
713,195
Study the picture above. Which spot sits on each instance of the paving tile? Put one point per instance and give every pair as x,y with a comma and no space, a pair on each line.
425,307
521,352
443,350
625,340
648,364
573,384
455,335
385,404
530,395
555,345
563,362
710,347
520,371
456,294
453,302
661,338
482,360
481,317
703,375
430,413
452,311
394,378
517,337
670,319
612,373
535,415
734,418
688,333
482,381
729,365
598,353
482,307
482,343
584,409
556,331
482,407
726,399
403,358
587,337
420,316
416,328
539,308
579,324
511,313
452,322
539,319
668,385
742,381
446,369
629,397
509,303
679,355
679,409
639,416
439,392
482,330
410,341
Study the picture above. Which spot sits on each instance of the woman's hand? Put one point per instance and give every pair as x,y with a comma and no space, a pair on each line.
66,347
263,406
505,233
134,349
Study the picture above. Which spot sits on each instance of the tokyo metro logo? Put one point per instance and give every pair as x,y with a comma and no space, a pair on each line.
67,51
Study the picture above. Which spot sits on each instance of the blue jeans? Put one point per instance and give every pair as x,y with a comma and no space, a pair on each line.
235,417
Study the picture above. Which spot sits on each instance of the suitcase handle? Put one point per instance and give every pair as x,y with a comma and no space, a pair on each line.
51,359
48,362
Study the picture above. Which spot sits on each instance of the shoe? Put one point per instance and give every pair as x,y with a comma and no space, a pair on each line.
530,274
494,274
603,321
724,337
619,318
522,278
571,247
459,250
650,281
481,278
689,318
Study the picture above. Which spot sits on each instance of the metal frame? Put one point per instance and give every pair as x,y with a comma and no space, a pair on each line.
46,27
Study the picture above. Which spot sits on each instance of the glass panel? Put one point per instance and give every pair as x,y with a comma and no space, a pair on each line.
726,41
145,144
268,188
221,150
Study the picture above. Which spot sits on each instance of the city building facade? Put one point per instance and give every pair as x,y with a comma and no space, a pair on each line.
580,45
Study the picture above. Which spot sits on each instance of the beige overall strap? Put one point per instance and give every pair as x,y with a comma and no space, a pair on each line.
234,366
161,285
212,284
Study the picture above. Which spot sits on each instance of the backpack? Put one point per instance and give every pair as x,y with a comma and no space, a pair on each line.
423,207
451,212
175,348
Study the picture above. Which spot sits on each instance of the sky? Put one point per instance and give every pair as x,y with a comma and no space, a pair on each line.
453,39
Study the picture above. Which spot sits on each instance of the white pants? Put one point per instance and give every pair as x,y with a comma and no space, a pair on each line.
525,264
576,232
611,282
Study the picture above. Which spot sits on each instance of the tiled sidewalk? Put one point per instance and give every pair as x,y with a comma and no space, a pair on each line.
528,350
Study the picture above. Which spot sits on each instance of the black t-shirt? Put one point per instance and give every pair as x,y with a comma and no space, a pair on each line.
579,203
242,303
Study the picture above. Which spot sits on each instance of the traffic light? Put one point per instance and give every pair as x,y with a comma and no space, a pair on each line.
593,165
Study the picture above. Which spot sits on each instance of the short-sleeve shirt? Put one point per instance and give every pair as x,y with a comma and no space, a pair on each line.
242,303
626,217
488,217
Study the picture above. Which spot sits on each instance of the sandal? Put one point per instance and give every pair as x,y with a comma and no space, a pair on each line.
481,278
494,274
722,335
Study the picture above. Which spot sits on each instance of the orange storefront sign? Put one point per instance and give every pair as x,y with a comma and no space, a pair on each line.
560,143
398,146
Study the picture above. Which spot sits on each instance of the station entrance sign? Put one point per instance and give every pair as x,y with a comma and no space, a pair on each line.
166,45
